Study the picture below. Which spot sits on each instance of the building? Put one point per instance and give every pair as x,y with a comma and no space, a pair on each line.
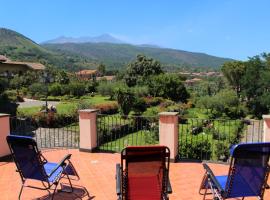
87,74
9,67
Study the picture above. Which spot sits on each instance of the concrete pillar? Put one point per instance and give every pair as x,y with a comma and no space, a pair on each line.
4,132
88,129
266,128
168,132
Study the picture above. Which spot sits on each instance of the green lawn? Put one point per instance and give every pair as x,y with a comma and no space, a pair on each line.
138,138
66,107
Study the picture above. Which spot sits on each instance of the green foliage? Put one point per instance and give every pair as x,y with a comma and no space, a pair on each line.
140,69
139,106
234,71
102,69
37,89
225,103
55,89
168,86
3,85
77,89
125,99
109,89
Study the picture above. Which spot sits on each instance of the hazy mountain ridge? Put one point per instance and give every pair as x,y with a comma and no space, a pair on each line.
104,38
75,56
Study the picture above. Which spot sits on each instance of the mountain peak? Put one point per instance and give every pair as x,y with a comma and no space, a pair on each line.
104,38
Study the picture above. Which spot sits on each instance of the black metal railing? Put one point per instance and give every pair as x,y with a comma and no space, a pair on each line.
115,132
201,139
48,133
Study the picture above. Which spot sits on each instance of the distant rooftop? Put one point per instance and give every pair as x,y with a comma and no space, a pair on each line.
31,65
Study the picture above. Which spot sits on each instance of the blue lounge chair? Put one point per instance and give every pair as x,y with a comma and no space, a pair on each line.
248,173
32,165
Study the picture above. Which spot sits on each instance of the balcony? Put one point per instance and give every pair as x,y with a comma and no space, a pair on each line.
97,170
97,173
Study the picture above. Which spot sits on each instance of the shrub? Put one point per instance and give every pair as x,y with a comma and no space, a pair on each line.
107,108
140,91
37,89
55,89
139,106
11,94
153,101
222,151
199,149
77,89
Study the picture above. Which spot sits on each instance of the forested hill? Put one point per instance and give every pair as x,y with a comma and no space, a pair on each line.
123,53
74,57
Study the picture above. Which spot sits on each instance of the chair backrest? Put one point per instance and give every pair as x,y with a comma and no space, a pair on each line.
143,162
249,170
26,157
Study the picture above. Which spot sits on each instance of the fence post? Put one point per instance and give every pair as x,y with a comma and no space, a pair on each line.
266,128
4,132
88,129
168,132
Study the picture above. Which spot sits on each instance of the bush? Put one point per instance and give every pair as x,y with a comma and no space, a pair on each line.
139,106
77,89
222,151
107,108
37,89
55,89
11,94
153,101
140,91
50,98
199,149
53,120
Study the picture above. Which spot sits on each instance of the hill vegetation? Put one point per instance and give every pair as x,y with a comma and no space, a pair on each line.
121,54
73,57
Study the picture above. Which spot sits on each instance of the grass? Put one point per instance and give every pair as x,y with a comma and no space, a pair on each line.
139,138
66,107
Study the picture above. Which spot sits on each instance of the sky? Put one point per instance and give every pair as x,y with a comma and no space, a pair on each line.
235,29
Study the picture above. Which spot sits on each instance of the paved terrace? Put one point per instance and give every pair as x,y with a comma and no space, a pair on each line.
97,172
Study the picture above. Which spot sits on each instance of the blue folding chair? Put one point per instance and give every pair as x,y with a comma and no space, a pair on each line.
248,173
32,165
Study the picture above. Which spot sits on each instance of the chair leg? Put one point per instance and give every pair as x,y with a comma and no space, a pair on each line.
21,190
203,183
56,184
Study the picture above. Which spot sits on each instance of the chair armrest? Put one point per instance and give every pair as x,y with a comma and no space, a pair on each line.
211,175
118,179
61,163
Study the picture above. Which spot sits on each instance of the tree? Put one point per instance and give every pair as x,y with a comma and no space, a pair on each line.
234,71
125,99
223,103
102,69
255,84
140,69
168,86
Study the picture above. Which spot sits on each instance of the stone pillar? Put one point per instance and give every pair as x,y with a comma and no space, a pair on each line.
168,132
88,129
4,132
266,128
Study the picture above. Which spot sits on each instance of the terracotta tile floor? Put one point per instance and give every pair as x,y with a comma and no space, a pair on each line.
97,172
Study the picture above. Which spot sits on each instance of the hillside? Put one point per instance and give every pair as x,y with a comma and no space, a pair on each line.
20,48
120,54
76,56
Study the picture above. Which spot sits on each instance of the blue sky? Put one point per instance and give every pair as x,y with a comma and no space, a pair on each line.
228,28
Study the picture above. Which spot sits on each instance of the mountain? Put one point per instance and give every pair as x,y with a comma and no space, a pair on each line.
120,54
76,56
20,48
105,38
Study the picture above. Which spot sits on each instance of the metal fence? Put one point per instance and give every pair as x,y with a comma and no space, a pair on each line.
115,132
202,139
48,133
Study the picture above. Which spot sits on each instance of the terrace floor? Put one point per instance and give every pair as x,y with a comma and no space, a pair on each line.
97,172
